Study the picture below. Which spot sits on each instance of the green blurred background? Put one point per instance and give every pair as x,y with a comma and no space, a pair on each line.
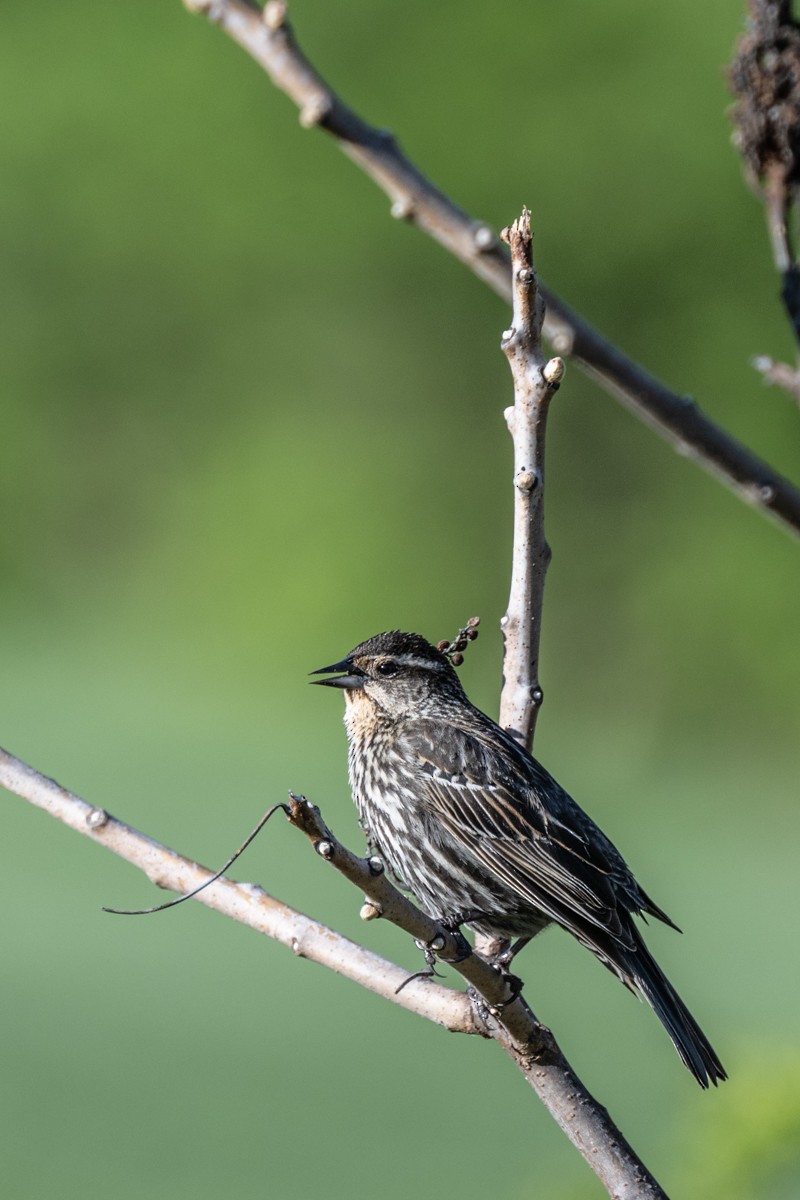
249,420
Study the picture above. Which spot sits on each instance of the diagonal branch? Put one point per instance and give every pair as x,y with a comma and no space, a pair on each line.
244,902
530,1045
509,1021
269,39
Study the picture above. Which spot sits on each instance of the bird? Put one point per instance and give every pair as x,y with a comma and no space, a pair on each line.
481,834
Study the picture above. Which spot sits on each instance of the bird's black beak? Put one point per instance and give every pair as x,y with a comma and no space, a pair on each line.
351,679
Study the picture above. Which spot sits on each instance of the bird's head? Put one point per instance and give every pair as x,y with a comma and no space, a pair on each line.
400,674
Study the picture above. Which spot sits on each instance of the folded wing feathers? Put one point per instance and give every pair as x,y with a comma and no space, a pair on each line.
557,867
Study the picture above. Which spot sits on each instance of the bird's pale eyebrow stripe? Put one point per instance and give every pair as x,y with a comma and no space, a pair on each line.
411,660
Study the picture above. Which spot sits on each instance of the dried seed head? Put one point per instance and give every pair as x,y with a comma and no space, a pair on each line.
765,80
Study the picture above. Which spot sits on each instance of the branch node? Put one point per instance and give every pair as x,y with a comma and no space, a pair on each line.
526,481
274,15
97,818
209,8
402,208
563,342
484,237
324,849
375,864
315,110
554,371
370,911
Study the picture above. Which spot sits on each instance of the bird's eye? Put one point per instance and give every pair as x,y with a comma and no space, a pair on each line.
387,668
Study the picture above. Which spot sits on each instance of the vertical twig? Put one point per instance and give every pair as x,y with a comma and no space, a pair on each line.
778,209
535,381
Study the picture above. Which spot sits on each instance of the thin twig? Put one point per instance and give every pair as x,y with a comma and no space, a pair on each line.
778,212
271,42
781,374
535,382
778,203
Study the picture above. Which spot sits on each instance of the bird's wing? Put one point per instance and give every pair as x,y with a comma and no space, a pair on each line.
510,815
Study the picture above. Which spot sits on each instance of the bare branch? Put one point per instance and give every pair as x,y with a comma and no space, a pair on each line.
244,902
529,1044
778,209
270,41
535,383
388,902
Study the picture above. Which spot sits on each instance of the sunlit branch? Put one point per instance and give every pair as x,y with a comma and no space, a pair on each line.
269,39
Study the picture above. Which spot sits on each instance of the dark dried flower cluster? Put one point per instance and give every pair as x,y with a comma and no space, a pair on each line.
455,650
765,79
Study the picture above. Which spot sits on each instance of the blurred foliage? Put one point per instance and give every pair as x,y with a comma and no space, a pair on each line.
743,1147
751,1148
248,420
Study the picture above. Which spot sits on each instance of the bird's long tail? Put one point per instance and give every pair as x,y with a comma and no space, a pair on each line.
693,1046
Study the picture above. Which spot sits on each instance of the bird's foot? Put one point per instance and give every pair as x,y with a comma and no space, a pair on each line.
484,1009
431,951
430,971
507,951
514,985
462,947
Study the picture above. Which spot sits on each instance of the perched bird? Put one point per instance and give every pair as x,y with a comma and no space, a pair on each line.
481,834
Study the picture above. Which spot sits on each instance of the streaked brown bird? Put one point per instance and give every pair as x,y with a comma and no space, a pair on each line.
481,834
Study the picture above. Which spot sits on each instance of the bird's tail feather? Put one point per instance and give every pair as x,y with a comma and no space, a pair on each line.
694,1048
